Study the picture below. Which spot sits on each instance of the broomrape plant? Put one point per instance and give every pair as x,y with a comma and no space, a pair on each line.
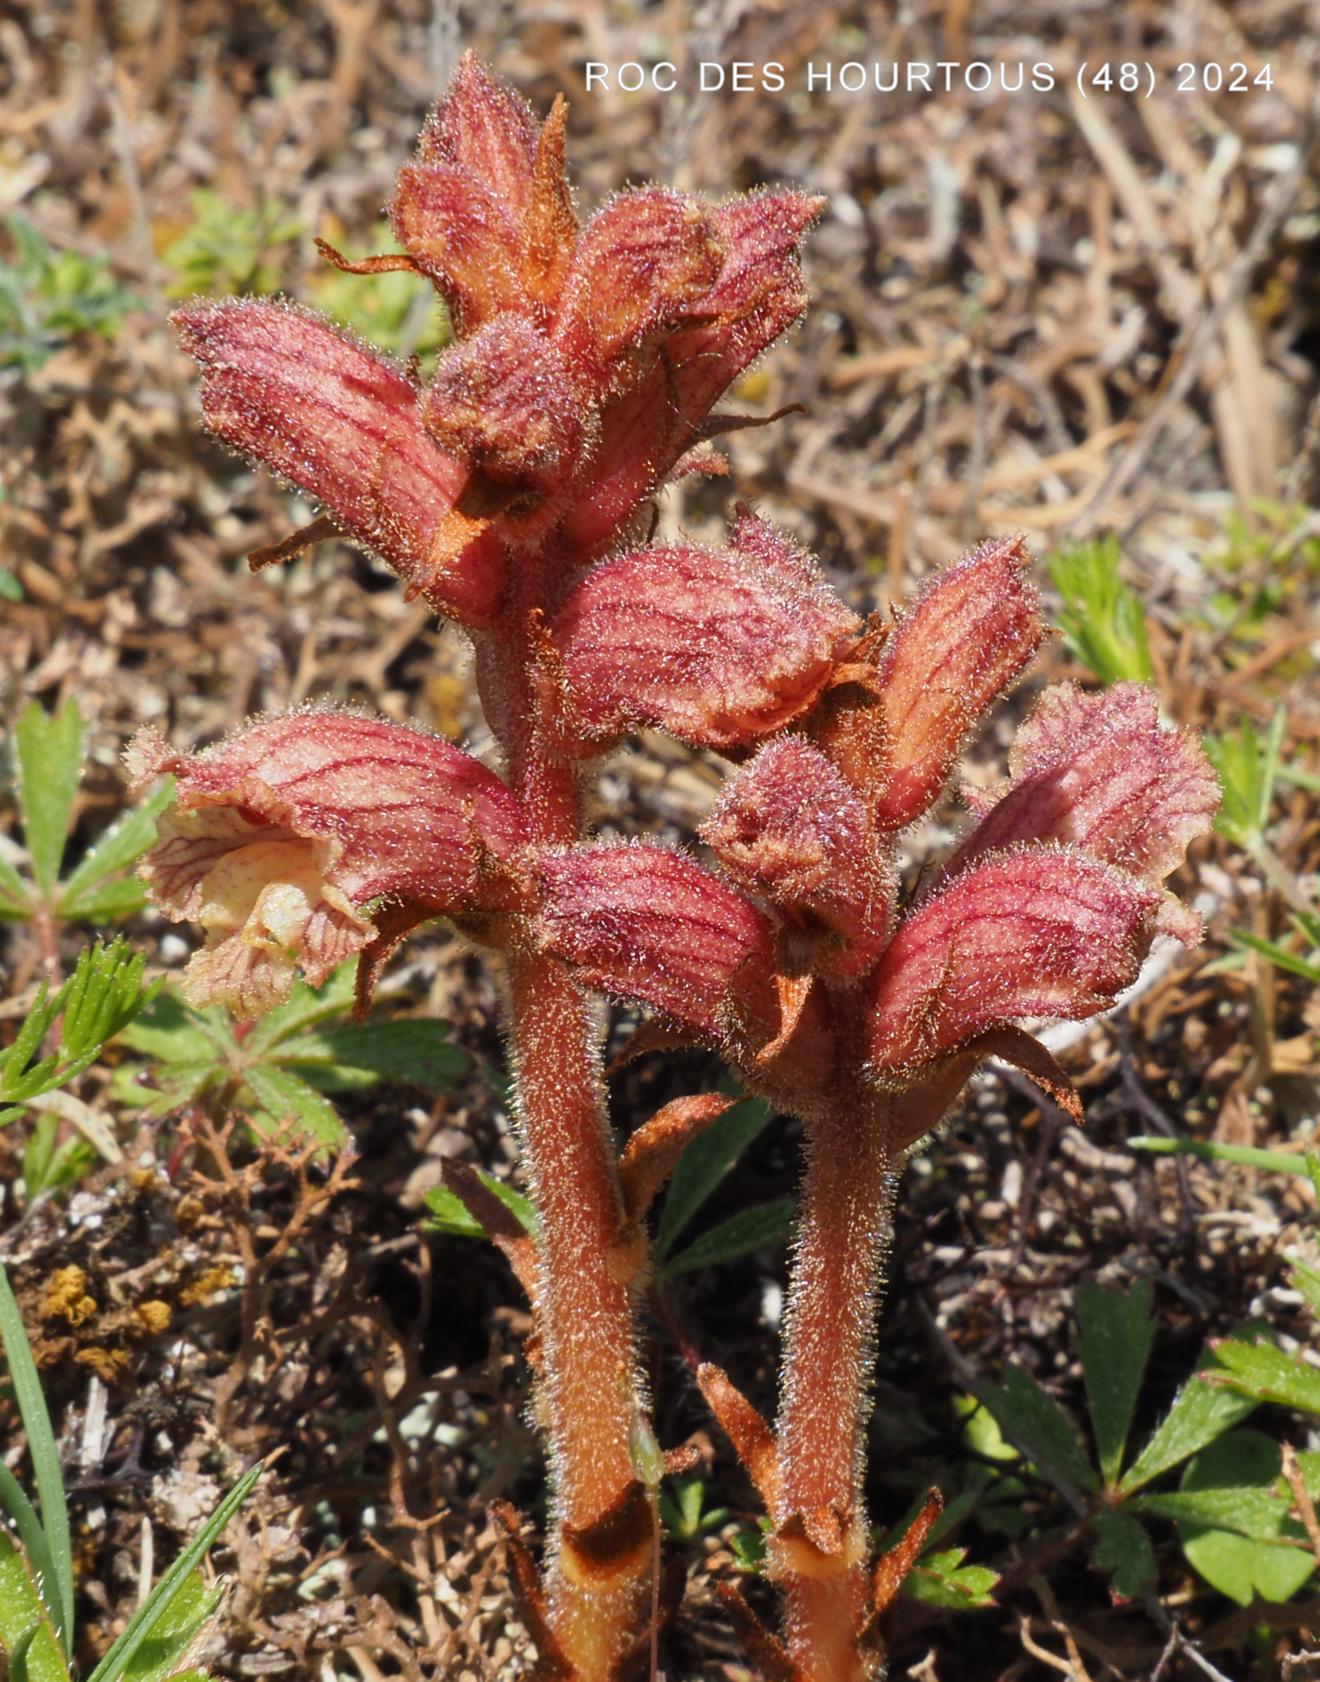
511,492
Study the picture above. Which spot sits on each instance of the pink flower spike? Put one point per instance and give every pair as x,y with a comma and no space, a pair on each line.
282,833
1038,931
971,633
788,826
717,646
1098,771
288,389
645,923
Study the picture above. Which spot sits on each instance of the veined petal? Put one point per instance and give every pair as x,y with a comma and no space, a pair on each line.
283,832
649,924
1098,771
971,633
290,390
1038,931
717,646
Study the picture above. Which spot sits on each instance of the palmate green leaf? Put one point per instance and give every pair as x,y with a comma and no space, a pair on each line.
1262,1372
1041,1429
284,1102
347,1058
303,1009
704,1164
115,1665
154,1091
1234,1522
102,997
1247,763
87,892
45,1457
169,1031
1199,1414
1123,1551
50,758
1102,620
27,1637
750,1229
1115,1343
941,1579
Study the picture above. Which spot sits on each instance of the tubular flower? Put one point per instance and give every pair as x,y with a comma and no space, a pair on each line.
718,646
284,833
587,363
1047,909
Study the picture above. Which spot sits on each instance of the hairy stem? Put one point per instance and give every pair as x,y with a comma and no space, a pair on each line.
589,1378
829,1344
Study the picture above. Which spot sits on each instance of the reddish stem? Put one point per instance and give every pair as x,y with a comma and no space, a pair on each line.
590,1380
829,1346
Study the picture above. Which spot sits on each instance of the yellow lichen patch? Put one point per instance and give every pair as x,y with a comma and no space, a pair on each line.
219,1277
66,1297
153,1316
107,1364
189,1213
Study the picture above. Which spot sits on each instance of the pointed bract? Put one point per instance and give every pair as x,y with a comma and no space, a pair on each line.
486,131
973,630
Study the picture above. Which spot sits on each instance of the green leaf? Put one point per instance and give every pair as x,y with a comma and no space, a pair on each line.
1236,1532
102,997
27,1637
1123,1551
281,1098
1278,955
174,1632
1102,620
1199,1414
452,1216
750,1229
15,899
1041,1429
1263,1372
941,1579
14,1499
122,1653
1247,764
357,1055
1242,1156
1306,1279
119,847
157,1090
169,1031
303,1008
1115,1342
704,1164
44,1453
50,758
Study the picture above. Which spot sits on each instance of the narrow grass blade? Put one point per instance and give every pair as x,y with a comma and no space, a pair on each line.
1242,1156
44,1452
117,1660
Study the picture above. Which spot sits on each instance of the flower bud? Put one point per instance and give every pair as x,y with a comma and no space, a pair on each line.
790,828
503,403
971,633
283,832
716,646
1098,771
462,238
643,262
486,131
1033,932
